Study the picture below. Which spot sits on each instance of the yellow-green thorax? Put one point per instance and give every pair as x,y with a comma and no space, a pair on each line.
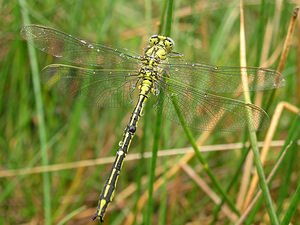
156,52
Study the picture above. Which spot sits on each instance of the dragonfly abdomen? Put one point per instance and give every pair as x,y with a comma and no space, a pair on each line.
108,191
148,74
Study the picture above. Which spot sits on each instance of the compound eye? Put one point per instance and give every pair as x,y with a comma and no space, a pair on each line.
169,44
153,40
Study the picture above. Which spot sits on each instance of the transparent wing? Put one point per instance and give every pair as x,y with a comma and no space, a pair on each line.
223,79
99,87
75,50
204,111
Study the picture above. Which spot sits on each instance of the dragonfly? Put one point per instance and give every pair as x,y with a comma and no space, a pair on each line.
107,76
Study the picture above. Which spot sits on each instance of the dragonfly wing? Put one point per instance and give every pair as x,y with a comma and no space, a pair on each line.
215,79
204,111
111,88
74,50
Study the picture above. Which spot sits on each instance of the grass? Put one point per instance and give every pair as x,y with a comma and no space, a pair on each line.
41,120
166,21
204,31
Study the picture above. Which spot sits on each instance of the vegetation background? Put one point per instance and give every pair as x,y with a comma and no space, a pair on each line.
78,141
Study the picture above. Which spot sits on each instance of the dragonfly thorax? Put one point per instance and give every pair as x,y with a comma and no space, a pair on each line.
149,73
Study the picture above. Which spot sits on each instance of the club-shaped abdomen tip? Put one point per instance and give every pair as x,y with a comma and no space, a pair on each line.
96,216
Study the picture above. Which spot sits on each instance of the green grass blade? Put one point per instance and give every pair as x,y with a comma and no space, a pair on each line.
254,212
68,217
169,18
232,182
162,18
292,207
163,206
221,38
157,131
293,137
262,179
290,162
291,144
252,135
41,120
201,159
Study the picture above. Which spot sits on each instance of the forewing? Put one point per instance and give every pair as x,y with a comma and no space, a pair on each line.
215,79
75,50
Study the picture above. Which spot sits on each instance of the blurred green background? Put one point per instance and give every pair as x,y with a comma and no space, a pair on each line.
204,31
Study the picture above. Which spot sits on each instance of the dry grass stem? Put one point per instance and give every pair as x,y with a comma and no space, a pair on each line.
243,63
248,166
288,40
130,157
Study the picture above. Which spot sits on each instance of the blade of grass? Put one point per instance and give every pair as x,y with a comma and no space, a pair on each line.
163,206
41,119
162,18
295,133
259,40
153,160
262,21
287,180
257,200
187,131
201,159
169,18
290,142
221,38
245,152
68,217
280,108
252,134
169,12
292,207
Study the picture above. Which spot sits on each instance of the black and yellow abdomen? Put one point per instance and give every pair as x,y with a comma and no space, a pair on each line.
158,48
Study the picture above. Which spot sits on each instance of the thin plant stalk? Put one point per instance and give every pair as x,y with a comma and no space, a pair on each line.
201,159
292,207
41,119
231,184
252,134
285,51
157,132
290,140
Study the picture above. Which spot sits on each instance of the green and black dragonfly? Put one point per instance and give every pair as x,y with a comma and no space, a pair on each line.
107,77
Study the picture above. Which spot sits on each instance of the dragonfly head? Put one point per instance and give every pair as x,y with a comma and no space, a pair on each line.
165,43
